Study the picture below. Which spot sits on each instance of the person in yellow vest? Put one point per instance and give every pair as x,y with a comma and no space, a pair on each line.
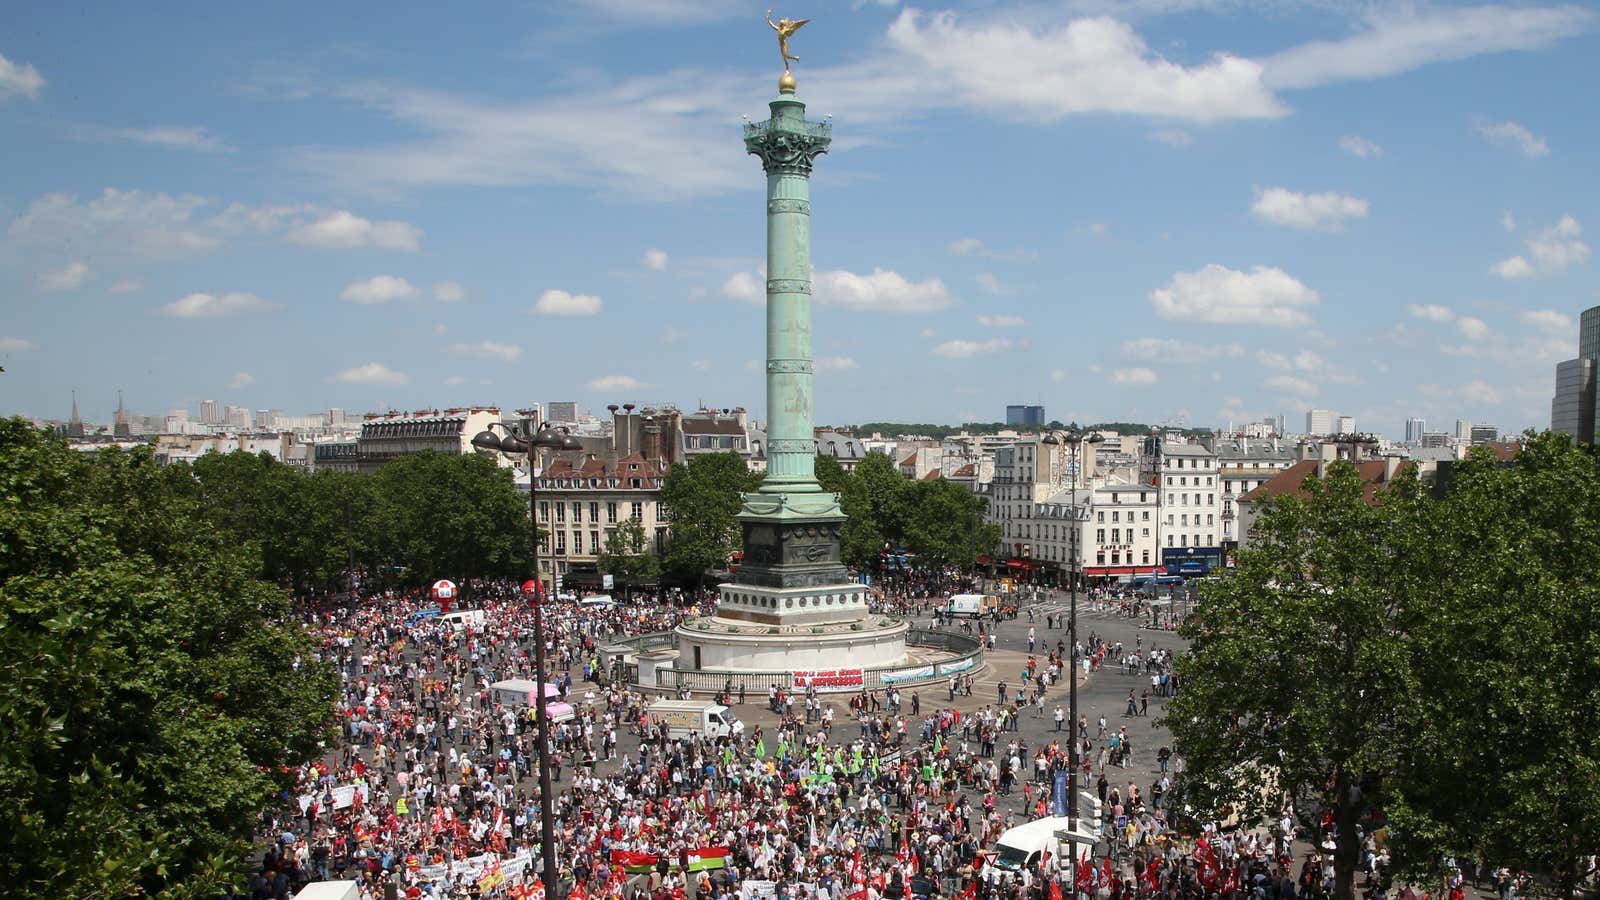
401,810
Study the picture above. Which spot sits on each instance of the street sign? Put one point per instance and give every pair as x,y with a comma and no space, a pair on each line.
1058,796
608,581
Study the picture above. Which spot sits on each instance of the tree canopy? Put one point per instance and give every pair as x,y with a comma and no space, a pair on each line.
702,497
1427,662
155,688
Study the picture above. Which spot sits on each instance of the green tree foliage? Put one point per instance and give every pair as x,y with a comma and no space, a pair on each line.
1298,670
440,515
944,524
153,688
859,539
628,556
702,497
1505,735
888,495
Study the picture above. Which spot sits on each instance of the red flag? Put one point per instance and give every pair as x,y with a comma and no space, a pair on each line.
1150,881
1055,890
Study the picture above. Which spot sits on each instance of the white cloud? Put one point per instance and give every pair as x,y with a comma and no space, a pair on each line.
371,373
1552,251
1308,361
1168,350
454,380
835,363
1407,37
1326,211
654,259
971,246
560,303
216,306
989,284
118,224
1002,321
69,277
195,138
18,79
1531,145
1472,329
962,349
1223,296
125,286
1058,375
701,365
16,345
1272,360
744,287
1087,65
1290,384
1548,320
882,290
378,289
1356,145
341,229
503,352
1137,375
927,332
241,380
614,383
1172,137
1431,312
449,292
1477,391
1507,220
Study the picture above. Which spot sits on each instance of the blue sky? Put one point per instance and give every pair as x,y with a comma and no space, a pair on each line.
1160,210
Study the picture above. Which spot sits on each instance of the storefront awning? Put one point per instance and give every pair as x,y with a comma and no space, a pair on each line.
1119,570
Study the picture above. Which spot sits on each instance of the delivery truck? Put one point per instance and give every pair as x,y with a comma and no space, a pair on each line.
330,890
706,718
517,693
971,605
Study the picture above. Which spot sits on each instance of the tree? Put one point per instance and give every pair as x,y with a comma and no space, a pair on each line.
1299,668
945,524
887,493
627,555
1505,749
859,539
702,497
154,688
440,515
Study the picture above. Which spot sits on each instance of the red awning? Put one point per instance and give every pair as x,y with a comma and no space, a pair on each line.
984,560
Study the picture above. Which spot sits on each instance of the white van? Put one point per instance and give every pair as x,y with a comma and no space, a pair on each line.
597,601
972,605
330,890
1024,846
462,619
683,718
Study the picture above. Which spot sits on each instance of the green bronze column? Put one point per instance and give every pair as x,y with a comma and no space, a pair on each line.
787,144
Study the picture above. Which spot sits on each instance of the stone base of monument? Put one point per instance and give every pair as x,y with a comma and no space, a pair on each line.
724,643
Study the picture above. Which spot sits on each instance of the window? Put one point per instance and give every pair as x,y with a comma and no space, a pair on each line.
1211,540
1141,499
1100,558
1208,481
1183,540
1146,532
544,510
1169,481
1211,499
1183,481
1099,535
1116,558
1146,516
1169,520
594,511
1169,540
611,513
611,540
594,541
561,512
1183,520
577,512
1147,556
561,543
1100,516
638,510
1211,519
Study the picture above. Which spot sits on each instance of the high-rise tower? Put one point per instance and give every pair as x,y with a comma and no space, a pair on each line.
1573,408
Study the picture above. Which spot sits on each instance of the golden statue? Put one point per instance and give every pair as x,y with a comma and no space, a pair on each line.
785,28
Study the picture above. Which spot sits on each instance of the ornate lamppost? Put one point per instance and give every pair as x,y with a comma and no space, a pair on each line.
1074,439
520,441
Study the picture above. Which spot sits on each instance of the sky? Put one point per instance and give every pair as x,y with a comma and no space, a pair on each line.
1181,211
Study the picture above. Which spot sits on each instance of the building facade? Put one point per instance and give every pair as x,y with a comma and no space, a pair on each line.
582,501
1190,509
1025,416
386,437
1415,428
1321,421
1572,410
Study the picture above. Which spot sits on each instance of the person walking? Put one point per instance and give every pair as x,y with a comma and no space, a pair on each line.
1061,716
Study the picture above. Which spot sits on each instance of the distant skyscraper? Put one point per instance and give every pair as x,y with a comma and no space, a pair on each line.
236,417
1572,410
210,412
1463,429
1320,421
1025,415
562,411
334,417
1347,425
1484,434
1414,429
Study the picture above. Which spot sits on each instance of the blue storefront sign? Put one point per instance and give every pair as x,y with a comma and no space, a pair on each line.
1191,562
1058,796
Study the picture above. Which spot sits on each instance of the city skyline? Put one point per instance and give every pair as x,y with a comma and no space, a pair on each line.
1154,211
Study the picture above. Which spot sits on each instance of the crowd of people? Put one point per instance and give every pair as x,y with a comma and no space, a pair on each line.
430,790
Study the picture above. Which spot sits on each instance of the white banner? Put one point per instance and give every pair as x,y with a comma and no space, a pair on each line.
906,674
829,680
958,666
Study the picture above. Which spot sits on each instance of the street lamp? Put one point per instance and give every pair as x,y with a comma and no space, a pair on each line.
1074,439
523,441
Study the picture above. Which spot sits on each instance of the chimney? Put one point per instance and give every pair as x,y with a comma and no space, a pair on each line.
1244,446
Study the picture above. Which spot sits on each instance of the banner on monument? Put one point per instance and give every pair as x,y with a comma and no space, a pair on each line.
906,674
829,680
960,665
